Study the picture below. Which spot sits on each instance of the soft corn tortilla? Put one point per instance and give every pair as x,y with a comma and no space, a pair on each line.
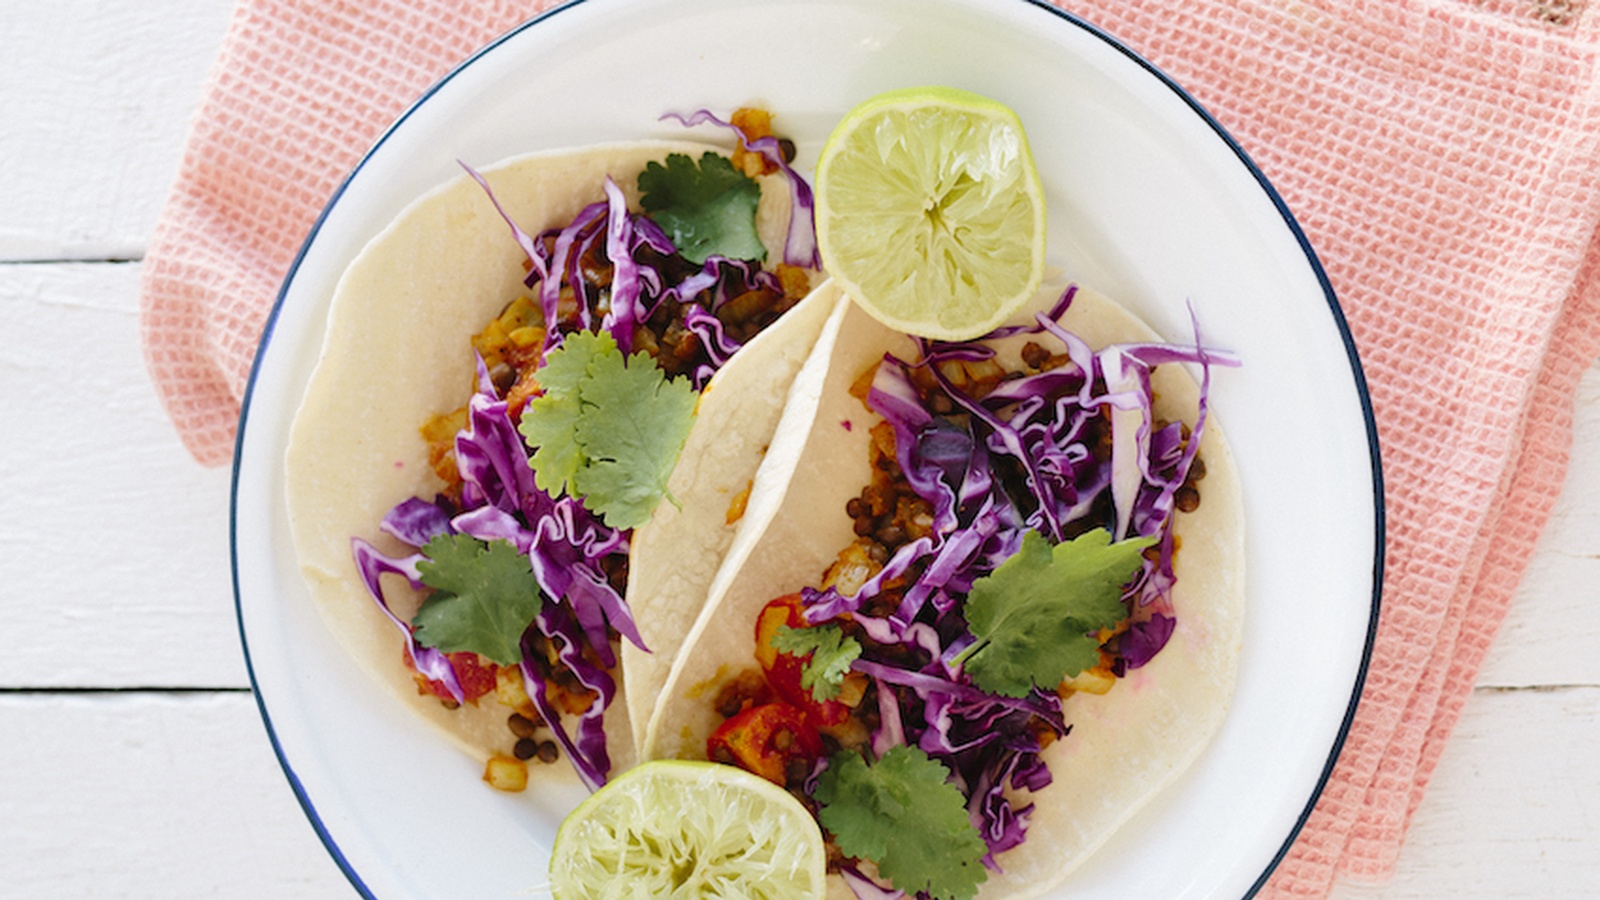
1125,746
397,351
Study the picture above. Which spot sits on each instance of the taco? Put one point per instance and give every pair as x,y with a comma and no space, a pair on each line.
1005,594
410,489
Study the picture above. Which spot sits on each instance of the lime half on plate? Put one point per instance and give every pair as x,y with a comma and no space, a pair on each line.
677,829
930,213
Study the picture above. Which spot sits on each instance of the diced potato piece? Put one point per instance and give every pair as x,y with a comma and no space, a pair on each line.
440,433
796,283
490,342
755,124
1097,680
853,689
506,773
509,689
851,570
526,336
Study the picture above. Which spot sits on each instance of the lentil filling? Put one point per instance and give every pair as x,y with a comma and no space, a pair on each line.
741,299
771,725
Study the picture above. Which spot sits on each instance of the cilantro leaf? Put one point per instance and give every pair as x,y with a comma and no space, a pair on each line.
550,421
485,596
608,428
1035,616
831,655
635,422
548,424
706,210
903,813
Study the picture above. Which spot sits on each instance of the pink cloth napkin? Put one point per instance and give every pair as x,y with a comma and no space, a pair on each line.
1442,155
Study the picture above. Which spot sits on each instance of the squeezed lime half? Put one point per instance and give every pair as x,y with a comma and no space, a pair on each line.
678,829
930,214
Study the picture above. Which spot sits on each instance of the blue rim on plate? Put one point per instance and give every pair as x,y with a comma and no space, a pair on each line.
1310,258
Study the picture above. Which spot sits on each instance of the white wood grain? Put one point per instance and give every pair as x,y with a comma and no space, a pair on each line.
1550,635
116,569
116,566
142,795
97,97
1514,810
150,795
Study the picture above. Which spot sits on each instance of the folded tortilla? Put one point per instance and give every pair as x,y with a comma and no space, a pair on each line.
397,351
1125,746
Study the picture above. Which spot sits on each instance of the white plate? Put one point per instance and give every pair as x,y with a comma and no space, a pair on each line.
1149,201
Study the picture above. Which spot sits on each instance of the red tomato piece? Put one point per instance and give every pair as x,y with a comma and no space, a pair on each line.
765,740
783,670
475,674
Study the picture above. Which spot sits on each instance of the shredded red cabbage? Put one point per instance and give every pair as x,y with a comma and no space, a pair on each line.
586,747
638,287
800,244
565,545
372,565
1023,456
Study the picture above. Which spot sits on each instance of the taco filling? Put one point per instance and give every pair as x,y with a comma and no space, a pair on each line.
514,555
1014,547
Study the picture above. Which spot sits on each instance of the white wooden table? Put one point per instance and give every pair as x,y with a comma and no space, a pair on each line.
132,759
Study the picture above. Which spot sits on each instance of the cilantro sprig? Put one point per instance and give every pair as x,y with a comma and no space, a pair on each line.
705,210
608,428
903,813
831,653
1035,616
485,596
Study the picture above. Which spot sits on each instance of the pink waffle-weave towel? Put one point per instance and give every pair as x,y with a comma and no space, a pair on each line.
1443,156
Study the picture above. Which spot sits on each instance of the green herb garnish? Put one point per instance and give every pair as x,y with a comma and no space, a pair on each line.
608,428
903,813
705,210
485,596
831,655
1035,617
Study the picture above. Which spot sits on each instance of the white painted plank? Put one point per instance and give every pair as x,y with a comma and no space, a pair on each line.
103,471
135,616
1550,634
150,796
116,566
141,795
97,97
1514,808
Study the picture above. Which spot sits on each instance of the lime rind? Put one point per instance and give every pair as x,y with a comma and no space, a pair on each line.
678,829
930,213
